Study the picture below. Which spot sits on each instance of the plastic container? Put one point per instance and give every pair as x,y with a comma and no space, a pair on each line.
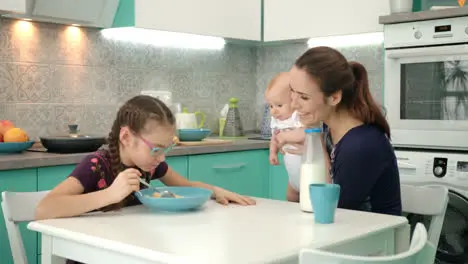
401,6
222,123
313,168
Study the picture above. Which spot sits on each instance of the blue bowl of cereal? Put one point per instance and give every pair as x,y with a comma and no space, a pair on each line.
187,198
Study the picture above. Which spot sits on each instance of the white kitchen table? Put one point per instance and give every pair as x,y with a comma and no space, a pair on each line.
271,231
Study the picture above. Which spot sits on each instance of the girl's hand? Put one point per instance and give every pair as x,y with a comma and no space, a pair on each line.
124,184
224,197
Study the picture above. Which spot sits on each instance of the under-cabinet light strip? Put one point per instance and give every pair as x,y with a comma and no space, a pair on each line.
163,38
374,38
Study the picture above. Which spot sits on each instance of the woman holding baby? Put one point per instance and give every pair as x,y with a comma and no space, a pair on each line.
325,87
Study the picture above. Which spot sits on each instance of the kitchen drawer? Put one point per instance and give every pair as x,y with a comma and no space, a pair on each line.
244,172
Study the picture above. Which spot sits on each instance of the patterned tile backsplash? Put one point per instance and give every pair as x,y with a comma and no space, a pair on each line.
53,75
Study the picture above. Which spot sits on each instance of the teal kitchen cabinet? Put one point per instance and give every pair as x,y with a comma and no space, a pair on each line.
23,180
49,177
244,172
278,180
424,5
178,164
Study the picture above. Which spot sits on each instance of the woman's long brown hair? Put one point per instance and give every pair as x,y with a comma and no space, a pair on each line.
134,114
334,73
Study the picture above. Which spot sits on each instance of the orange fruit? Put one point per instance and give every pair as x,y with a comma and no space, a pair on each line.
15,135
5,125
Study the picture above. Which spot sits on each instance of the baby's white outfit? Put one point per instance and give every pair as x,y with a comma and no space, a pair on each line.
292,162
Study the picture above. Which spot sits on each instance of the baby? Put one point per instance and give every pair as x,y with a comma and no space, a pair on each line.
283,117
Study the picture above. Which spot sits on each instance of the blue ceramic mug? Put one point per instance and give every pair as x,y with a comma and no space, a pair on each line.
324,198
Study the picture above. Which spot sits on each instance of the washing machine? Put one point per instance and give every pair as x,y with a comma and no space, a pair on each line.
450,169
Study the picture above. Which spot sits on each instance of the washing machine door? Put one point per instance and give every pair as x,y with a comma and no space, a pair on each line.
453,242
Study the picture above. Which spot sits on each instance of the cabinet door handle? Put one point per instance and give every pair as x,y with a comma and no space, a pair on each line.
230,166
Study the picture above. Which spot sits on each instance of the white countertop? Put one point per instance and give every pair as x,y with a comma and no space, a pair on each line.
216,234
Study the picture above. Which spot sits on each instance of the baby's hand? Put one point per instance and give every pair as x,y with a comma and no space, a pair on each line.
274,159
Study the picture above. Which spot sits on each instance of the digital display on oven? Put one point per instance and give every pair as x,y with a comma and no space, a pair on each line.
462,166
444,28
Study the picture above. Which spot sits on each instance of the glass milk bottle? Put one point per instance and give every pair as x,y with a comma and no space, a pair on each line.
313,169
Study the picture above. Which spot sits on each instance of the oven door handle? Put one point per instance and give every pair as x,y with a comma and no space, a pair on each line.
405,165
427,51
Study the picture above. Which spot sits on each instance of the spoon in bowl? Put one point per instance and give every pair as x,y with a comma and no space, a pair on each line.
163,194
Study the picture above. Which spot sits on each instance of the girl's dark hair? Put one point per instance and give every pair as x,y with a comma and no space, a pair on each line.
334,73
134,114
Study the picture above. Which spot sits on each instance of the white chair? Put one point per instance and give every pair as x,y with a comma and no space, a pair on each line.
428,201
19,207
421,252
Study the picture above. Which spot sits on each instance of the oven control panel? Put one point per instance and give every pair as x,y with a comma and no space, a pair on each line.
426,32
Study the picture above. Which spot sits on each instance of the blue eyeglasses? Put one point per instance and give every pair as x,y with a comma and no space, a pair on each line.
155,151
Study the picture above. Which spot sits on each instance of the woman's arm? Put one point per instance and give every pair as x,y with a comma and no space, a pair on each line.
357,169
294,137
67,200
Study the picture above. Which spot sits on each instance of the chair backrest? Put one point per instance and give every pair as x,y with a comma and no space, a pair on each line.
19,207
429,201
420,252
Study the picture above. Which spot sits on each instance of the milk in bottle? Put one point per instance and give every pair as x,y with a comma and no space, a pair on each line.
313,168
